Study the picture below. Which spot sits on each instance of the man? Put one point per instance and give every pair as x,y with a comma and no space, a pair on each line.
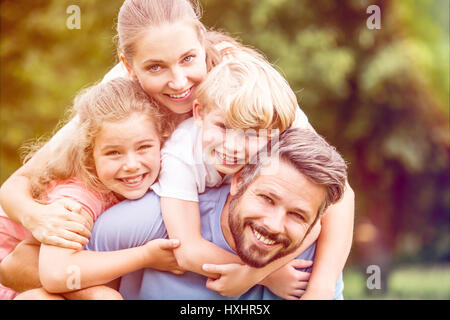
264,215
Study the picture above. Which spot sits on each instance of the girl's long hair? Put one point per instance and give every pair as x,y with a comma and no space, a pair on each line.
70,154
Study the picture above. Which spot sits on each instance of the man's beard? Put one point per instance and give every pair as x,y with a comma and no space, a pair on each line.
252,254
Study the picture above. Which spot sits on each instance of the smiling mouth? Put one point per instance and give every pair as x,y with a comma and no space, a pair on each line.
263,239
228,160
180,95
134,180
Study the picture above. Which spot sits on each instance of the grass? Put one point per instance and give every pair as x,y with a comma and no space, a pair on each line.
405,283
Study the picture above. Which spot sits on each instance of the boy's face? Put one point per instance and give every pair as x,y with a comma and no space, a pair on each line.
228,150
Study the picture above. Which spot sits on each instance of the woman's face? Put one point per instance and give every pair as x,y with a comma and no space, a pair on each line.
169,63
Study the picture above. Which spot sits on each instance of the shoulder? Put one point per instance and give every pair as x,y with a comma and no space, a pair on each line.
118,71
185,135
184,144
301,120
127,224
76,190
213,199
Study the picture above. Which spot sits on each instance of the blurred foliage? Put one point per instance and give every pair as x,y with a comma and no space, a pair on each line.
425,282
381,96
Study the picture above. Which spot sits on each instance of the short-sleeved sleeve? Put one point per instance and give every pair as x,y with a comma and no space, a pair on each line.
301,120
184,173
128,224
176,180
118,71
94,203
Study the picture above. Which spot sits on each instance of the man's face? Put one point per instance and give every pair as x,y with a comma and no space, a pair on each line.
272,216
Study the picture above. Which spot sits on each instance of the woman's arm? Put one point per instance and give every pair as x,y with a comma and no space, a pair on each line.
333,247
50,224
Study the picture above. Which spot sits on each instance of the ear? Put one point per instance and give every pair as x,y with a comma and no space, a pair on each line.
130,69
197,112
236,183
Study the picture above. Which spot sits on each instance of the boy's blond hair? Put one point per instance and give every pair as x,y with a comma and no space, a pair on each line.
250,91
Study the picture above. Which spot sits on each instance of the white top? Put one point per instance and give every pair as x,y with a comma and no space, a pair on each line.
184,171
119,70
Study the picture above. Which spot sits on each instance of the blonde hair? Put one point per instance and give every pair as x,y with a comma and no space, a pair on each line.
73,156
137,16
250,92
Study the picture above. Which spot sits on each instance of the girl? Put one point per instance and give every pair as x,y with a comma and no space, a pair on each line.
113,155
164,47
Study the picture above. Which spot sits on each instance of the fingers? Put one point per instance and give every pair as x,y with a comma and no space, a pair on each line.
212,284
214,268
169,244
60,242
301,264
76,227
178,271
74,237
71,205
294,294
83,218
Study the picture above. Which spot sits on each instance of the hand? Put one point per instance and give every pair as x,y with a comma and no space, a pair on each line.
288,282
160,256
234,279
62,223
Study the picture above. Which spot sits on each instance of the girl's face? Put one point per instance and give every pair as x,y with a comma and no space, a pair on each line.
169,63
127,156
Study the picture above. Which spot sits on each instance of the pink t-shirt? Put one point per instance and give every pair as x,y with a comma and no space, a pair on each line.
11,232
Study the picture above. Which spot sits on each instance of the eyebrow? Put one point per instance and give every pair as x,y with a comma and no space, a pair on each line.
113,146
278,198
162,61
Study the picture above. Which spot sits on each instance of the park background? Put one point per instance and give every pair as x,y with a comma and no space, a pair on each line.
381,96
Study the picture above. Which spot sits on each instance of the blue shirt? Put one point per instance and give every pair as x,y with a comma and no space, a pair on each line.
133,223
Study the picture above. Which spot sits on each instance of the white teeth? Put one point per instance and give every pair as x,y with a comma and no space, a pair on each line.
261,238
226,158
181,95
134,180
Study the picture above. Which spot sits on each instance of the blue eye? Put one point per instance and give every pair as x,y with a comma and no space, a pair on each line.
189,58
154,68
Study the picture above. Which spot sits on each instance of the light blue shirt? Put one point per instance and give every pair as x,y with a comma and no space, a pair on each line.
134,223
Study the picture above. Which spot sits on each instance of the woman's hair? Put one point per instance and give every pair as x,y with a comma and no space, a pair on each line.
72,155
136,16
250,92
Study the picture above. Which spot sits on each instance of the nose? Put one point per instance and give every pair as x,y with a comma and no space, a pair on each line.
178,80
234,141
274,221
131,163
